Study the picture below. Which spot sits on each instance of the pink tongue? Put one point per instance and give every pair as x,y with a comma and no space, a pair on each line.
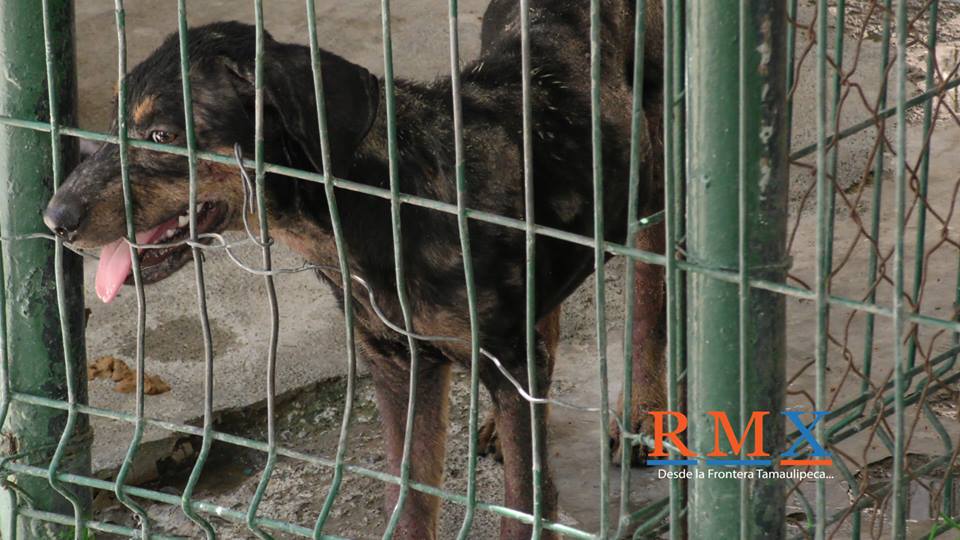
115,262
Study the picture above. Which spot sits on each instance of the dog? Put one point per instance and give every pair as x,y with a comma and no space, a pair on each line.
88,209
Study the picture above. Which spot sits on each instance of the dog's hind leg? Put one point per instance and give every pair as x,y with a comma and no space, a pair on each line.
391,379
515,431
487,439
649,339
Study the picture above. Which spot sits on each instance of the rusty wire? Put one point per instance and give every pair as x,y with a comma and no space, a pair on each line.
852,213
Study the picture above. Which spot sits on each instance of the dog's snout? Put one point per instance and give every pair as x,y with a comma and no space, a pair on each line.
63,216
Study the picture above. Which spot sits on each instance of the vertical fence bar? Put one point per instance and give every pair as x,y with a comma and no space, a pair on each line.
823,239
389,91
463,227
876,200
636,125
599,258
529,217
833,151
43,285
80,507
346,280
924,173
899,323
791,60
743,231
715,102
186,501
128,205
266,259
674,155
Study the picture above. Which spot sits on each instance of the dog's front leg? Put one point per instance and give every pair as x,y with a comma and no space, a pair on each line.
649,340
549,328
391,379
514,429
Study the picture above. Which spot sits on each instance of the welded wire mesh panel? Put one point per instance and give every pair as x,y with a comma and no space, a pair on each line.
869,178
873,286
138,499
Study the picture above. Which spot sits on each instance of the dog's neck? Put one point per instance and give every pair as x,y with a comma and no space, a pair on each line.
306,227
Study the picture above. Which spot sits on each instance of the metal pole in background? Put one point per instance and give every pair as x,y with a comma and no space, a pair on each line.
737,184
34,342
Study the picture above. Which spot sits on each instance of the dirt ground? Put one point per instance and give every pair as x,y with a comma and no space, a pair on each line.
312,383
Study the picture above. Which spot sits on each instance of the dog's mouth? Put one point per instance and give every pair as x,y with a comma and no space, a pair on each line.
156,264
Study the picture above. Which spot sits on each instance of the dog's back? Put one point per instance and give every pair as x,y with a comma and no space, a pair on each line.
568,27
491,97
562,152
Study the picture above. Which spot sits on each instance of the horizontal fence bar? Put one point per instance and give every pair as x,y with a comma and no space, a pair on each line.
93,525
281,451
853,403
730,275
449,208
871,122
458,499
612,248
158,496
346,184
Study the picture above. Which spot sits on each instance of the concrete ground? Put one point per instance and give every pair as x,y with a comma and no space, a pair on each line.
312,336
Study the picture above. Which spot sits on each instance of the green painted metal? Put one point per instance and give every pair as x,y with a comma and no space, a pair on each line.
823,246
346,281
599,271
924,174
262,447
186,502
876,200
899,491
42,283
391,108
472,307
633,226
529,221
734,274
791,63
871,122
674,174
76,500
735,87
932,384
264,242
128,202
947,507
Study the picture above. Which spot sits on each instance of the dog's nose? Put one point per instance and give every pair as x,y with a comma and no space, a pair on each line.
63,216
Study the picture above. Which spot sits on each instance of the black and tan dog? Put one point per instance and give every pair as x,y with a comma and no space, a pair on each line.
88,210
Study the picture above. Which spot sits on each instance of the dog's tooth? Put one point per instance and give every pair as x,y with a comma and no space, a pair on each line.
183,221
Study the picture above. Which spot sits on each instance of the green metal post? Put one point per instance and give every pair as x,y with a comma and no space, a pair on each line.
736,221
29,172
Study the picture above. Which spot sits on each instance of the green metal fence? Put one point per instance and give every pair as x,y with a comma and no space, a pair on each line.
727,119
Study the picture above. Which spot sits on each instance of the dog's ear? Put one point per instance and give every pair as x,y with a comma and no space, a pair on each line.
352,97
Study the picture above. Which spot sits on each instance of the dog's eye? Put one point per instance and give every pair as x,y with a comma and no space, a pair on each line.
162,137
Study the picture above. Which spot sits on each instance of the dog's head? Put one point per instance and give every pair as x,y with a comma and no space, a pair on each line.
88,210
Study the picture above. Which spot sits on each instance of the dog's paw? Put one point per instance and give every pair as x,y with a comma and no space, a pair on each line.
488,442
